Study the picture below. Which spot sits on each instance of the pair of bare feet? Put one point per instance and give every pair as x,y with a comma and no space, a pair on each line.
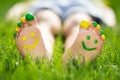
35,35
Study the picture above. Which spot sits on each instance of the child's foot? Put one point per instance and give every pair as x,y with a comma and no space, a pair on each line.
33,38
85,42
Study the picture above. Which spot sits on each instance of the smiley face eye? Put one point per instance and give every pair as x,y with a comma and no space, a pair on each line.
95,41
24,38
32,34
88,37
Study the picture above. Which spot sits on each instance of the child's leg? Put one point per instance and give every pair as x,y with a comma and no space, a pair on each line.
74,20
50,18
34,33
83,40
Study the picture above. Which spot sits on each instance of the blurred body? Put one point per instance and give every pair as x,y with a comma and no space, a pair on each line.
94,8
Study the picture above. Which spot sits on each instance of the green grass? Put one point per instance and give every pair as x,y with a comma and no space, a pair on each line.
14,67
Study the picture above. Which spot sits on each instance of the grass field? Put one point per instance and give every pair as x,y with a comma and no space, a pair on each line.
13,67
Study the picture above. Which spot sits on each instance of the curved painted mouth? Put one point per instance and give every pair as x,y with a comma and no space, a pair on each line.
33,46
86,48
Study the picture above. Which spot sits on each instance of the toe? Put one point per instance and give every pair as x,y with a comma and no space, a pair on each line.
26,21
30,18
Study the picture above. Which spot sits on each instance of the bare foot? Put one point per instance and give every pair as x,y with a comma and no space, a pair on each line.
85,42
33,38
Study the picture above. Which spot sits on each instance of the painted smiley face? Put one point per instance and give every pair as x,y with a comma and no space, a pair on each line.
87,45
30,41
87,48
25,38
87,42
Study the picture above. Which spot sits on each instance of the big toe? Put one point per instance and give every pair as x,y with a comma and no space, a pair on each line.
31,19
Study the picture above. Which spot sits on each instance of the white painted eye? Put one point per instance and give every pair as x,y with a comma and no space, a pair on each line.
24,38
32,34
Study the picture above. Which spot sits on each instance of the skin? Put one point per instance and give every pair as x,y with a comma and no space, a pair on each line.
50,18
43,28
87,50
53,26
31,44
76,44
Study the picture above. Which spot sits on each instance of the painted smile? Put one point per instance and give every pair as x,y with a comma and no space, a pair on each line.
31,47
86,48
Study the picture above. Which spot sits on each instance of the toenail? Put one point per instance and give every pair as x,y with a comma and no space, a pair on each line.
84,24
23,20
29,17
98,27
94,24
103,37
101,32
19,24
17,29
15,34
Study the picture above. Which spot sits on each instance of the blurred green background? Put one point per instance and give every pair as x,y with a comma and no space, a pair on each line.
5,5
